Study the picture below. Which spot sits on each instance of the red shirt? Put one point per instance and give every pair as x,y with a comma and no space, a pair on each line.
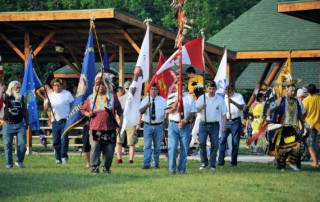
102,121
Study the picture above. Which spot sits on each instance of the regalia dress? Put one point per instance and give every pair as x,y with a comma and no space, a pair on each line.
257,123
286,139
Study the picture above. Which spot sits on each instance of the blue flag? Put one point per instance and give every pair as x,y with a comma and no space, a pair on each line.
30,83
105,61
85,86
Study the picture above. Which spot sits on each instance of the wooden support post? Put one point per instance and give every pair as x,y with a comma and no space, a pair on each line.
262,78
121,66
209,67
231,70
159,46
274,72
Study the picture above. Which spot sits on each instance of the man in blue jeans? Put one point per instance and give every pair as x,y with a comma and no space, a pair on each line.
153,109
234,102
16,122
179,129
60,102
213,111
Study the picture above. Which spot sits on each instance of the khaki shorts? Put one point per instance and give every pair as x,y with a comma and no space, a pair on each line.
132,139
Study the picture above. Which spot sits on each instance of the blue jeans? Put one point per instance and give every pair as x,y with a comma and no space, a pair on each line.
175,135
60,145
235,129
213,132
10,130
152,134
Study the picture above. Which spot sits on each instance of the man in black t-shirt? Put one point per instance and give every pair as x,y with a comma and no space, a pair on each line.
16,122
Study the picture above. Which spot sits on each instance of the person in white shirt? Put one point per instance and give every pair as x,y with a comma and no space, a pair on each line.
60,102
234,102
153,109
179,129
212,110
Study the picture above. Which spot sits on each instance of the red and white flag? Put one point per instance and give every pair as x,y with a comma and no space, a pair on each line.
192,54
165,80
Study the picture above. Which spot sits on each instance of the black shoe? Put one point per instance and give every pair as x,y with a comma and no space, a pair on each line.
131,161
104,170
95,170
233,164
172,172
145,167
157,166
220,164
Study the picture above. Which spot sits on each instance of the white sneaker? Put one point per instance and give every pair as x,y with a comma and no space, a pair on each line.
58,162
64,161
203,166
212,169
295,168
20,165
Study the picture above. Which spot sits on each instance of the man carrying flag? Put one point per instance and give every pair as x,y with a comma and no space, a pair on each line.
85,88
141,74
131,109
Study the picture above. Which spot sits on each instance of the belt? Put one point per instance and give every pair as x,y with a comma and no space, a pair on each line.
179,122
153,124
12,122
61,120
256,117
210,123
232,120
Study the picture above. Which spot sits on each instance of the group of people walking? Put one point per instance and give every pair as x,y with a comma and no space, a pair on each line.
218,117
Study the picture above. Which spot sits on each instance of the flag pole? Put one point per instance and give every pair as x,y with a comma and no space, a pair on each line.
147,23
43,84
204,78
92,26
228,87
179,39
104,51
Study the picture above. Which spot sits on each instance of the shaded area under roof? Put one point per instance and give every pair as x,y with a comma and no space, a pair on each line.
67,72
304,9
309,72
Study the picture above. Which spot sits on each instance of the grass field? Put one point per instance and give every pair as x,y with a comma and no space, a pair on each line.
43,180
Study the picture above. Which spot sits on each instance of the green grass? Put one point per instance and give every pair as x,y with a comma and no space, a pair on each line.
43,180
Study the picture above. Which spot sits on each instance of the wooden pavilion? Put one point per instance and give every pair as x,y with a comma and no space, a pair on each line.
61,36
263,35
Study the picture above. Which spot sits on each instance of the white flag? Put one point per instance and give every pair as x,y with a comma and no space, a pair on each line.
143,59
221,78
131,110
